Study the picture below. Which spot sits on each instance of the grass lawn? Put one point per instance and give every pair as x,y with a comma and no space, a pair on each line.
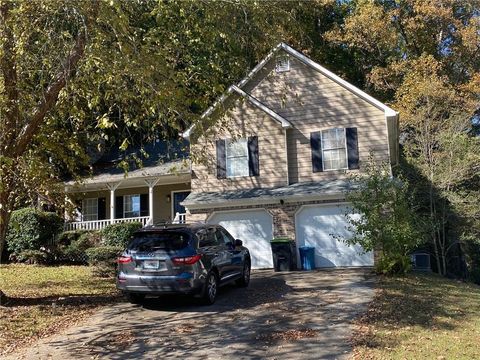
421,316
44,300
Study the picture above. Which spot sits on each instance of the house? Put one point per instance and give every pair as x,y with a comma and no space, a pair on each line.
275,163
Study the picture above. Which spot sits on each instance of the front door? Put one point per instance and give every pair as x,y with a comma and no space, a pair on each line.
178,197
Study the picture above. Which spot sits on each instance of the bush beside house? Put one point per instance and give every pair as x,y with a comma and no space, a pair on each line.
119,234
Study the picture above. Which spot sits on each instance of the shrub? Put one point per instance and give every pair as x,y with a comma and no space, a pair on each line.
75,252
67,237
103,260
36,257
30,229
119,234
393,265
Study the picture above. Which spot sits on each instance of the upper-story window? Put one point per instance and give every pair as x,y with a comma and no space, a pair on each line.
131,206
237,157
90,209
334,148
282,64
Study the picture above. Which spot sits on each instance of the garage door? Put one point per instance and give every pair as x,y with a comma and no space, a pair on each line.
316,225
254,228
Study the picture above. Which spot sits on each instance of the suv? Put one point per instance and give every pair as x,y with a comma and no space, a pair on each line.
182,259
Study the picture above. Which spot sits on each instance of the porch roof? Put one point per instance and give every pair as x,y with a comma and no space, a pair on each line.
294,192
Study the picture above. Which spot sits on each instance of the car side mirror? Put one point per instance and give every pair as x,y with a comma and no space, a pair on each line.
238,242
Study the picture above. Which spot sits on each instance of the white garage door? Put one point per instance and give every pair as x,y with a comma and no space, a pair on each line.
254,228
315,226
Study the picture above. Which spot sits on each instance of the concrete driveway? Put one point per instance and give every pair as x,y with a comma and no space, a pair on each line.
296,315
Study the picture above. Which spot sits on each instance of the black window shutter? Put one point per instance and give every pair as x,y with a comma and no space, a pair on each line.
221,160
316,145
119,207
352,148
102,208
143,204
253,163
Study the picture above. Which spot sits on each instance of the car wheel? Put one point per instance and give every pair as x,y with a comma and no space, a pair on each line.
210,290
135,298
245,279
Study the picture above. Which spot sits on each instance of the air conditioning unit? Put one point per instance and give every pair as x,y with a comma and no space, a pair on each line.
421,261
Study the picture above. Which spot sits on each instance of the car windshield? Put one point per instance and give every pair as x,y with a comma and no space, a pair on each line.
159,241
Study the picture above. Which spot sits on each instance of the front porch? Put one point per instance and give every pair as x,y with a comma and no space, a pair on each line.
148,200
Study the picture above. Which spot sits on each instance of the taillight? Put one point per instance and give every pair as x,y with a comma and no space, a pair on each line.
187,260
124,259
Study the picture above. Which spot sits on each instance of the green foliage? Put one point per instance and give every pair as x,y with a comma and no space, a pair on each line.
387,222
119,234
67,237
103,260
36,257
393,265
75,251
30,229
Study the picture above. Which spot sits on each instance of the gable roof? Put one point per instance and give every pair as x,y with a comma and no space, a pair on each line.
389,112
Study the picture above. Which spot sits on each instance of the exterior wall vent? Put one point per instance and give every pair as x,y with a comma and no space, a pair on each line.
283,64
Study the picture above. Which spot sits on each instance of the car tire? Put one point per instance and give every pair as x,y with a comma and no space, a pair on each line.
135,298
210,289
245,279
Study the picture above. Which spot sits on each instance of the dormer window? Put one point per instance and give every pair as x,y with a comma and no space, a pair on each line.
283,64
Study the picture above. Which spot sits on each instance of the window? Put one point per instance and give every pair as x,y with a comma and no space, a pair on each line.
334,149
90,209
237,157
283,64
224,238
131,206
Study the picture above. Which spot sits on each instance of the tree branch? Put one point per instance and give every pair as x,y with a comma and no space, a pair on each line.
51,95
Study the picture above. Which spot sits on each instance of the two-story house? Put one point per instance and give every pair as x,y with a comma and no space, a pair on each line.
276,161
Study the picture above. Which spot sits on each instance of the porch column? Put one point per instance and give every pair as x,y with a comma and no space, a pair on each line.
112,187
151,184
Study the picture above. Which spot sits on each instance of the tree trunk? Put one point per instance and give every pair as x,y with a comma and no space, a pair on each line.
4,219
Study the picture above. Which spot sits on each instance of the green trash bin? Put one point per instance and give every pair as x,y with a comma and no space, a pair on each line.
284,254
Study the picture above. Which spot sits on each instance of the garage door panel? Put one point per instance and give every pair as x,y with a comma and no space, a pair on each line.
254,228
321,227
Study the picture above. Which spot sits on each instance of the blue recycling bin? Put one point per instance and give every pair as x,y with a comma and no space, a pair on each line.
307,257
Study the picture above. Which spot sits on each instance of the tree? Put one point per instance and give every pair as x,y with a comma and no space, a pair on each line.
423,57
387,223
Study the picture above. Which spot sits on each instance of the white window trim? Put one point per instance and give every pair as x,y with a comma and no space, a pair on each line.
346,150
84,207
139,202
226,160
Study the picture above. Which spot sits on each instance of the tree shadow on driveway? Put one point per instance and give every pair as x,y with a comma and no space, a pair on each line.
280,315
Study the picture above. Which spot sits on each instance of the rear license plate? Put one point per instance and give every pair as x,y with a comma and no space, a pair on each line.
153,265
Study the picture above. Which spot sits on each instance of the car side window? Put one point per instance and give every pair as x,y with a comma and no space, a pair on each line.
225,237
206,237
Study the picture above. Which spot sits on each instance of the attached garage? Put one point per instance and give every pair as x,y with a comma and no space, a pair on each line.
315,225
254,228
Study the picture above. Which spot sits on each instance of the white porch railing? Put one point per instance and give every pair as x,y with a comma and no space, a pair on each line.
100,224
179,218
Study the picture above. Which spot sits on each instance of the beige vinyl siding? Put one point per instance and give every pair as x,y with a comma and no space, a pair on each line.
313,102
243,120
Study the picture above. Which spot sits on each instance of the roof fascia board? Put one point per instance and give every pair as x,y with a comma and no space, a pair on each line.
265,200
284,122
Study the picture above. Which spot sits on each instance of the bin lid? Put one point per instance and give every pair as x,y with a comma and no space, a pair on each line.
280,240
307,247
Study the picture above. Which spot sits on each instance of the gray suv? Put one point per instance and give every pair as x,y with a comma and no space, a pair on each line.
182,259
